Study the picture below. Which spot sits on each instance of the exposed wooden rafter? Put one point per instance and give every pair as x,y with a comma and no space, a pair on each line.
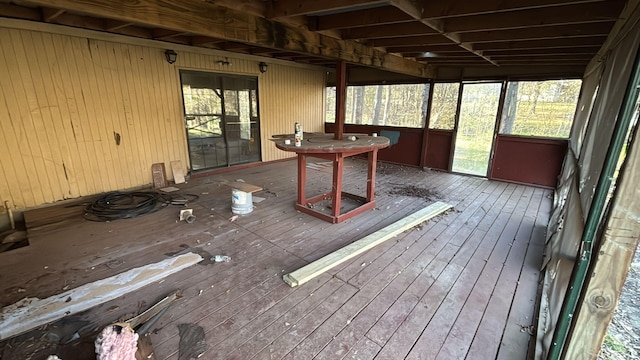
206,20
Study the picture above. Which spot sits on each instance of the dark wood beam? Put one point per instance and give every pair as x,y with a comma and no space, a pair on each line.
581,57
559,15
388,31
443,9
113,25
341,98
352,19
49,14
534,33
164,34
544,52
286,8
19,12
203,40
200,18
426,48
435,39
542,44
416,11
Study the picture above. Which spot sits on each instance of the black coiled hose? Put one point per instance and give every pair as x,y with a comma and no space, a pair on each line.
123,205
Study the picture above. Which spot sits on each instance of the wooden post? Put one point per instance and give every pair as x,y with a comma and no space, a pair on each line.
341,97
338,166
611,266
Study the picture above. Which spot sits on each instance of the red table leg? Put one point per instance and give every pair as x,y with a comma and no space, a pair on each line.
336,189
371,174
302,178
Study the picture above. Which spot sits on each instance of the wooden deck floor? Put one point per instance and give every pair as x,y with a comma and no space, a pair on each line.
462,286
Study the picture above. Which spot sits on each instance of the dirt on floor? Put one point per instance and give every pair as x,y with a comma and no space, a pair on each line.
622,341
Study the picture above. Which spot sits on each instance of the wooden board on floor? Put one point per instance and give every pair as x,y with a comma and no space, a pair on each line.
319,266
30,313
56,213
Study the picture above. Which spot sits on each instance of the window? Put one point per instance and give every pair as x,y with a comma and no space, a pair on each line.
540,108
389,105
444,105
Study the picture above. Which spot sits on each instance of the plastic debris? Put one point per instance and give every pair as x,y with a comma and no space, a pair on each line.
221,258
187,215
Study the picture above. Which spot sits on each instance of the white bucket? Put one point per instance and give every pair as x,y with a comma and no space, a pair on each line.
241,202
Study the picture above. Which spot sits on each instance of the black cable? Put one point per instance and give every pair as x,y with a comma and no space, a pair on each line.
123,205
128,205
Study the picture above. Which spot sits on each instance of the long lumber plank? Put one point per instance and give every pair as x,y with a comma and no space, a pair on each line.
335,258
31,313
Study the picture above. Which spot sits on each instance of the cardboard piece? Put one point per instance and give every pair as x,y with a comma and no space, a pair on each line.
178,172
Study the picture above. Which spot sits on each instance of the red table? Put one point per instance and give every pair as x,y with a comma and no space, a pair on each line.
324,146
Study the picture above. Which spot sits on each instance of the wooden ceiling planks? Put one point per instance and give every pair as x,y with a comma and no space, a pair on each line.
392,35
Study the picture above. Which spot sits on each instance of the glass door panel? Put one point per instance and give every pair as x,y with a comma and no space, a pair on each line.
476,125
221,118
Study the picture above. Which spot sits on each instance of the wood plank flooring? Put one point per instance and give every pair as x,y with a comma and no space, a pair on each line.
461,286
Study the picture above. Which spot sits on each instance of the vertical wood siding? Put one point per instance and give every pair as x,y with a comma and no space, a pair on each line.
64,100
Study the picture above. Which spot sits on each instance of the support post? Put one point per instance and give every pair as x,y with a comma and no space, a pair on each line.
341,98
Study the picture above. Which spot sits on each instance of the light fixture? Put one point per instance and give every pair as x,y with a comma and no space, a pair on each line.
224,62
171,56
263,66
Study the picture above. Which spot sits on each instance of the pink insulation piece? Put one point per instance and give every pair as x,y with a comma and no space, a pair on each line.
117,342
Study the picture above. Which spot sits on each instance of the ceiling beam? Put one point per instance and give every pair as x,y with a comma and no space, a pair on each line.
203,19
352,19
49,14
559,15
435,39
535,33
165,34
443,9
388,31
542,44
286,8
20,12
416,11
544,52
435,48
113,25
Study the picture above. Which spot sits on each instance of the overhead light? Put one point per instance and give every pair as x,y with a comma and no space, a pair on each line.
171,56
263,67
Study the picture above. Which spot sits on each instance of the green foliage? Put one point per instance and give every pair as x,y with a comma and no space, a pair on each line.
443,106
616,346
540,108
390,105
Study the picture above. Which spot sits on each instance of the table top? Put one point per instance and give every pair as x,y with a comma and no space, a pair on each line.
325,143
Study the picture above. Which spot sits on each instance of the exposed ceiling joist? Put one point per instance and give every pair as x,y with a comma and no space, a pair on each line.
202,19
435,39
543,32
113,25
416,11
377,16
561,15
49,14
540,44
387,31
443,9
287,8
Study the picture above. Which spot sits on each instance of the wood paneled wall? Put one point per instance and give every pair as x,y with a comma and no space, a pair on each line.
65,100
